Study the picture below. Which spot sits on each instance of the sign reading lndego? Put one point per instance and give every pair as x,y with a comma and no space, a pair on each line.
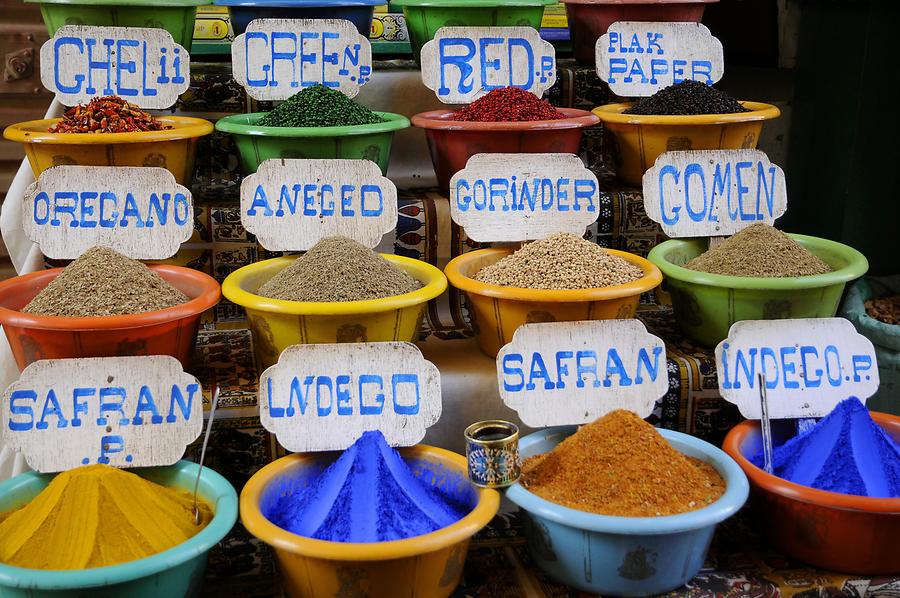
323,397
121,411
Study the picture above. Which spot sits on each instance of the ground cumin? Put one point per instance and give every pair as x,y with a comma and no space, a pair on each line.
620,465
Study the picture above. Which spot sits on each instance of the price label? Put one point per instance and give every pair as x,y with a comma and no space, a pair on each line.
142,65
276,58
121,411
562,373
464,63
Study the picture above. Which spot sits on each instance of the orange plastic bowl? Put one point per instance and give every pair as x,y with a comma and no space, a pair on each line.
838,532
171,331
453,142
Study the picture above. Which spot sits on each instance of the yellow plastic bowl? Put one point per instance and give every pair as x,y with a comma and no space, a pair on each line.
641,138
498,311
173,149
278,324
422,566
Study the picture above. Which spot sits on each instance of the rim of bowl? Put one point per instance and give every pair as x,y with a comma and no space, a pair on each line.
207,298
35,131
297,3
737,489
619,2
857,266
440,119
226,513
434,281
127,3
471,3
257,524
781,487
245,124
612,113
454,270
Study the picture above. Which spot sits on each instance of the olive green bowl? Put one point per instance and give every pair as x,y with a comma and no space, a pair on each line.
357,142
706,305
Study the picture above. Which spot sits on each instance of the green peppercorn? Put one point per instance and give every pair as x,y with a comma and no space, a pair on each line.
319,106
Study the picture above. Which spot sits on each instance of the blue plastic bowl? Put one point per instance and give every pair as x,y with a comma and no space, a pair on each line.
358,12
625,556
174,572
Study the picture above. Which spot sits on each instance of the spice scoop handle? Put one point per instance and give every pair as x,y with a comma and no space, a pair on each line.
209,423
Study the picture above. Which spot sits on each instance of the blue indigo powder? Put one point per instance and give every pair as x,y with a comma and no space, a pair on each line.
368,495
846,452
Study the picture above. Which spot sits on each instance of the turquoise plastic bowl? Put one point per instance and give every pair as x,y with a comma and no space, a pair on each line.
174,572
625,556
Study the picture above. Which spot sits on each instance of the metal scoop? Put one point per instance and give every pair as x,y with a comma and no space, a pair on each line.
209,423
766,425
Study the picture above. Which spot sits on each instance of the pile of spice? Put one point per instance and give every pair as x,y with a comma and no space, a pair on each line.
103,282
508,104
109,114
885,309
687,97
620,465
339,269
562,261
96,516
759,251
319,106
368,495
845,452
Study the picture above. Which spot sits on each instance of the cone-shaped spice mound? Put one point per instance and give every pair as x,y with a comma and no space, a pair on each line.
97,516
620,465
508,104
103,282
687,97
368,495
759,251
319,106
845,452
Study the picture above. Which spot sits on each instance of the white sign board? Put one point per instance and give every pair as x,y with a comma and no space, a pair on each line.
464,63
323,397
809,366
290,205
562,373
713,193
638,59
277,58
121,411
142,65
140,212
523,197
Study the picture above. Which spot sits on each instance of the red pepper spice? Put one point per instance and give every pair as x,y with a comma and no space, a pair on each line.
509,104
109,114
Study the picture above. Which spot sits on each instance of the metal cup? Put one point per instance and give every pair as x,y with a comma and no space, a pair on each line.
492,452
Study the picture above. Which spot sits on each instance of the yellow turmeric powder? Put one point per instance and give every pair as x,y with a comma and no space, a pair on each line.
97,516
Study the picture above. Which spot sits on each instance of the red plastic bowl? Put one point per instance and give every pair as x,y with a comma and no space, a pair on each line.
838,532
171,331
453,142
589,19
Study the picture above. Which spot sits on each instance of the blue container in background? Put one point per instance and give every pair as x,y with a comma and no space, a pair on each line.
358,12
625,556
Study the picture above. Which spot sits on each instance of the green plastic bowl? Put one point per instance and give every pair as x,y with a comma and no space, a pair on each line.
357,142
174,572
706,305
175,16
425,17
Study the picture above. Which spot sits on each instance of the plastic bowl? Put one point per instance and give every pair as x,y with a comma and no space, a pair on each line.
174,572
453,142
838,532
357,142
498,311
589,19
625,556
358,12
640,139
175,16
173,149
171,331
425,17
427,565
277,324
706,305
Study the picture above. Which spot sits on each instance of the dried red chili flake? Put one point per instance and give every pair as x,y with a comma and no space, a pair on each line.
109,114
508,104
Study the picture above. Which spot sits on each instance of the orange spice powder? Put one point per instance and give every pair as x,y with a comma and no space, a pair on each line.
620,465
